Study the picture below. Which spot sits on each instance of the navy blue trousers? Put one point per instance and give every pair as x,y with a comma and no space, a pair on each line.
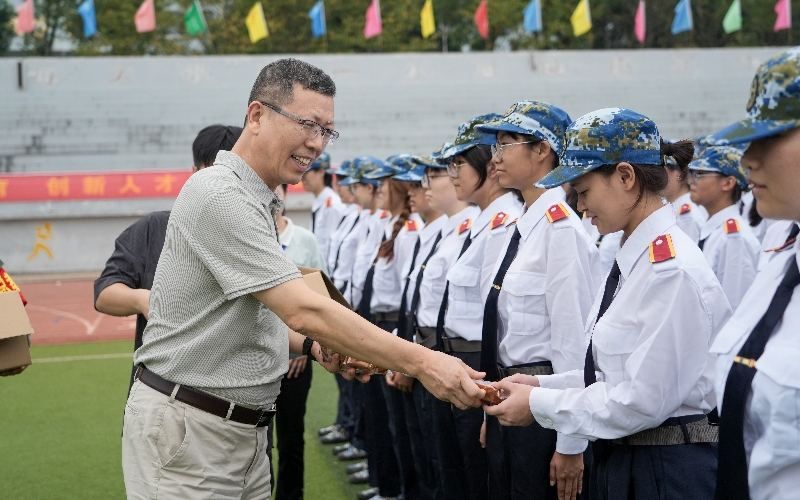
383,468
344,412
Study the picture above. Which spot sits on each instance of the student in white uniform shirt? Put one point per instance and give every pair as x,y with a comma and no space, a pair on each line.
474,176
757,369
544,280
780,237
326,212
350,215
717,182
689,215
649,382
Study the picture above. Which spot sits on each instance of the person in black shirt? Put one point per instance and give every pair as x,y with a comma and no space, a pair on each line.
123,287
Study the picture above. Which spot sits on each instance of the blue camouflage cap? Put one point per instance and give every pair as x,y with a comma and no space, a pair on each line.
469,136
540,119
394,165
774,105
428,161
723,159
342,170
436,156
323,162
359,169
605,137
414,173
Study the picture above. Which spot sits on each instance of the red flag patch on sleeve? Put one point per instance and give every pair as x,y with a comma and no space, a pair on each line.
384,214
328,202
731,226
411,225
661,249
465,226
685,209
499,219
556,212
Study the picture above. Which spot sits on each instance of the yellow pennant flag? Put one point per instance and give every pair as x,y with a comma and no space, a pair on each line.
581,19
426,21
256,23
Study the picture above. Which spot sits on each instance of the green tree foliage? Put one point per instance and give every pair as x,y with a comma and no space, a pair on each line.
6,26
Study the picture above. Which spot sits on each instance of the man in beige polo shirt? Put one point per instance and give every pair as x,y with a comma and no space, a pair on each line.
217,342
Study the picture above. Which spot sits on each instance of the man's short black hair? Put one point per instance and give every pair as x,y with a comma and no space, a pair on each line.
211,140
275,83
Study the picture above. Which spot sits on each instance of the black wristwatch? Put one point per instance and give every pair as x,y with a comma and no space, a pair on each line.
307,343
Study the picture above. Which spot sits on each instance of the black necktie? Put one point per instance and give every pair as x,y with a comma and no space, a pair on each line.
366,297
792,233
412,311
336,263
732,471
612,282
401,320
702,242
443,307
489,336
314,220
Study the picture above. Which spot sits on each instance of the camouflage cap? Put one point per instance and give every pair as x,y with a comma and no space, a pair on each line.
414,173
722,159
341,170
469,136
605,137
323,161
393,165
428,161
360,168
437,155
774,105
540,119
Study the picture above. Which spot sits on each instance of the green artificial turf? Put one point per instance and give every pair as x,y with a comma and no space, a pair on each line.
60,426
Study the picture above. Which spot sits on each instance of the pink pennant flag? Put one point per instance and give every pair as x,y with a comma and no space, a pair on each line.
25,17
374,27
145,18
784,10
640,26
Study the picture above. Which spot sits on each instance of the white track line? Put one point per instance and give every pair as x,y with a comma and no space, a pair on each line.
83,358
90,327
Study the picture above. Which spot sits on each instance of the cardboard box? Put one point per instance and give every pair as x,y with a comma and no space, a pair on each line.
14,328
320,283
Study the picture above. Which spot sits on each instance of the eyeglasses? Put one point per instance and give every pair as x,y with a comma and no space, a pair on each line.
353,186
453,168
694,175
426,179
497,148
310,127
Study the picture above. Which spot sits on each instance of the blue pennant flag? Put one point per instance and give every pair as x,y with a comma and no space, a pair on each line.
683,17
86,10
532,17
317,15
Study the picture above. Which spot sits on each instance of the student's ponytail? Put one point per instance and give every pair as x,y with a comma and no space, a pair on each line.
682,152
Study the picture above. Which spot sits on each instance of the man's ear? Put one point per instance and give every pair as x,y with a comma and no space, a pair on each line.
254,114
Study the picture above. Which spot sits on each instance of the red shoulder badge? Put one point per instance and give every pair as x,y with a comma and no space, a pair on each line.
328,202
411,225
465,226
556,212
384,214
661,249
731,226
685,209
499,219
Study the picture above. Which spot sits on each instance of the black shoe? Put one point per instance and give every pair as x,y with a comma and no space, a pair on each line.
329,429
367,494
338,449
352,453
361,477
353,468
336,436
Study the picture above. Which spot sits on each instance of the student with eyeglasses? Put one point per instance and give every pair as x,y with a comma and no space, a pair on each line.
542,290
647,382
717,181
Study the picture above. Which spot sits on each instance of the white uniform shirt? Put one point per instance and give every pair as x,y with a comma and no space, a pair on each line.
389,279
471,276
772,414
733,256
690,216
591,229
434,280
426,239
326,213
346,223
365,254
775,237
547,294
608,248
348,249
651,347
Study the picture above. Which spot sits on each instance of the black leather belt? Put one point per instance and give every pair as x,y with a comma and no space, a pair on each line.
206,402
674,430
537,368
386,317
456,344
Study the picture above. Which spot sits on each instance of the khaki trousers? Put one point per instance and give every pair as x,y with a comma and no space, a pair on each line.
172,450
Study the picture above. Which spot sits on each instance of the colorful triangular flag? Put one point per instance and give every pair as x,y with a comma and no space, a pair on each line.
373,26
194,20
482,19
145,17
784,20
256,23
532,17
683,18
733,18
25,17
317,16
581,19
640,22
86,10
426,21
